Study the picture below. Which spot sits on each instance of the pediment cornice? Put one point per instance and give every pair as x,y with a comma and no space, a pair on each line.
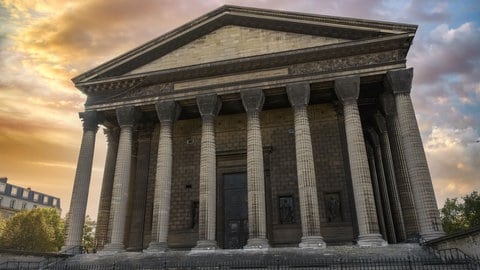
328,26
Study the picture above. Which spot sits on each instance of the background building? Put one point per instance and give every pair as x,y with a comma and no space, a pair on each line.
14,199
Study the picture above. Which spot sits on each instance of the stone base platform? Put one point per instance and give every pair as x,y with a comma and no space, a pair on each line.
239,259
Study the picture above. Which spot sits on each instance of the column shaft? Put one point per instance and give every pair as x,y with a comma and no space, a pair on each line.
396,207
103,218
299,95
401,169
167,112
423,194
81,185
376,191
347,90
135,241
121,182
209,106
257,227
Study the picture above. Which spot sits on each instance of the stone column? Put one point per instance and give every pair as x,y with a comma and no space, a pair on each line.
400,83
167,112
347,90
103,218
121,181
257,226
135,241
382,184
396,208
81,184
299,96
400,165
208,106
376,190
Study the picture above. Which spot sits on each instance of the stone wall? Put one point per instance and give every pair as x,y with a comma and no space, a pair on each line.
281,178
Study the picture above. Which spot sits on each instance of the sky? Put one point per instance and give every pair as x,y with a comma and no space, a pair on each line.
45,43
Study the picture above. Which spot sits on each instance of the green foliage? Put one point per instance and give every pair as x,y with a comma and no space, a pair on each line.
458,216
88,241
37,230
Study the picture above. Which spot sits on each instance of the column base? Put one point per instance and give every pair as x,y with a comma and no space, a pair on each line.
205,245
431,235
257,243
312,242
71,250
371,240
156,247
113,248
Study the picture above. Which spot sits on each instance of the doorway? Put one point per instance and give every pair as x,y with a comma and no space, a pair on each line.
235,210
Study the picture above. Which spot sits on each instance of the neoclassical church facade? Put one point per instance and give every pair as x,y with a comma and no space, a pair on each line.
252,128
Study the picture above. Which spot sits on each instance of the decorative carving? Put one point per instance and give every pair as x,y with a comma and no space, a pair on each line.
333,206
130,91
286,210
336,64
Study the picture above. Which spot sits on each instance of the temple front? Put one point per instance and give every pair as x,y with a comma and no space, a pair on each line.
251,128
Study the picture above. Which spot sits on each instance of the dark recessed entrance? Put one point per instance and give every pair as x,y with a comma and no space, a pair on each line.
236,210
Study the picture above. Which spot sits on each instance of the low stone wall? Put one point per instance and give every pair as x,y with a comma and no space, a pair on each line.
468,242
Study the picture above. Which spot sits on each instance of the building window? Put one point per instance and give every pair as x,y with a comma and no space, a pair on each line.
194,215
55,202
286,210
35,197
2,187
12,204
14,191
45,199
25,193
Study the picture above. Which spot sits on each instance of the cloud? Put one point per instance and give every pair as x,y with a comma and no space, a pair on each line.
453,155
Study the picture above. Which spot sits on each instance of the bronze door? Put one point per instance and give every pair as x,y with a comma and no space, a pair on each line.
236,210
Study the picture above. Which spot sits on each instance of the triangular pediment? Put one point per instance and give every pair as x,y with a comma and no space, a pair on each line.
240,33
231,42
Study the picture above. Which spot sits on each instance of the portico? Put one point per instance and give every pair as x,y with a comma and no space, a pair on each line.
252,128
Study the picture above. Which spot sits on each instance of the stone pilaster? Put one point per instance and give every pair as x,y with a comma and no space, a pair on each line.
396,207
208,106
167,112
405,193
382,184
299,96
257,226
135,241
347,90
81,184
376,191
400,83
102,234
118,211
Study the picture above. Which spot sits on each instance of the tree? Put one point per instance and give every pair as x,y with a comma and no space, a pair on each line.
88,240
37,230
458,216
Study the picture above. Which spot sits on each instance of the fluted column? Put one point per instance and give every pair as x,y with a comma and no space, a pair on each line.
299,96
257,226
382,184
135,237
167,112
400,83
387,103
81,184
347,90
208,106
103,217
376,191
121,181
396,207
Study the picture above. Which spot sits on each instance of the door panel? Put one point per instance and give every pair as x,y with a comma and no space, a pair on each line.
235,210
